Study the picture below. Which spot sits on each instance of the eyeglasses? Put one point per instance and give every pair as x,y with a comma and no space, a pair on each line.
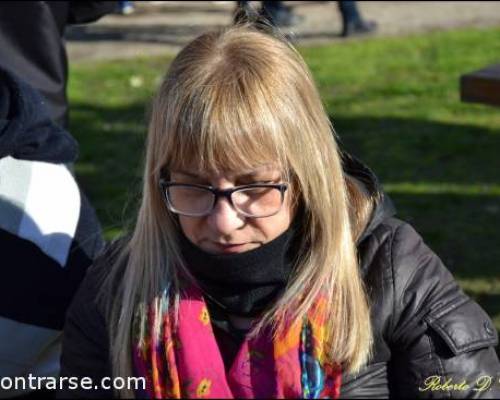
255,200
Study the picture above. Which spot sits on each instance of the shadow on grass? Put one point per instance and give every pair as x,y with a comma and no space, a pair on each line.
490,302
462,230
410,150
175,35
109,167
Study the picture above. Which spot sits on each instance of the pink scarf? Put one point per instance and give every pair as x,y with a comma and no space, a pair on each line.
186,362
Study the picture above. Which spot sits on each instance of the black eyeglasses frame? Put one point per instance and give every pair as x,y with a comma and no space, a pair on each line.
227,193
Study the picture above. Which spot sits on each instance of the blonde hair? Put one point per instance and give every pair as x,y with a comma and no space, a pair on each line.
233,99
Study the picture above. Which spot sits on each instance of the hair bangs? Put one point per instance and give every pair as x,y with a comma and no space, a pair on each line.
220,129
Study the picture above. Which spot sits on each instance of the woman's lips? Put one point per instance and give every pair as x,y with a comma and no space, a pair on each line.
231,248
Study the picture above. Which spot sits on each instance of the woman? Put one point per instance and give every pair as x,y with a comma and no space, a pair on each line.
264,262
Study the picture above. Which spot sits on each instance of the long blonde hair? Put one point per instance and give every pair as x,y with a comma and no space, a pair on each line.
232,99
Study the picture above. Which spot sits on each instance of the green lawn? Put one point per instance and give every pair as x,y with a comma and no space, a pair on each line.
395,104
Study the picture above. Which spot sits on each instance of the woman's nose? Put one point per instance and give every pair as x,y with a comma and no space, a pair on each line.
224,218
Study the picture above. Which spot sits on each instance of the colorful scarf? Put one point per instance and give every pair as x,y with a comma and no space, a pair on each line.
185,362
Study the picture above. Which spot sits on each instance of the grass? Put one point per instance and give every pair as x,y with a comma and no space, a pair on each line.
394,103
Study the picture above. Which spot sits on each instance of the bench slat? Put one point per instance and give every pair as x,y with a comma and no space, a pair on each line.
482,86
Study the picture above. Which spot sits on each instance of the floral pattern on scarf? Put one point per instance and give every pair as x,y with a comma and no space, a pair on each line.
185,361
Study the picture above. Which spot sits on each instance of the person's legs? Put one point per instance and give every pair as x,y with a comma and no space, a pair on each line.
349,11
279,14
276,12
274,6
352,22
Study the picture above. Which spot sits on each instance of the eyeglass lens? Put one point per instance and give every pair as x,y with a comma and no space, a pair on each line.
256,202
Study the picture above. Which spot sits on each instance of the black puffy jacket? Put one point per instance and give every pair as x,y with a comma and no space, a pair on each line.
431,340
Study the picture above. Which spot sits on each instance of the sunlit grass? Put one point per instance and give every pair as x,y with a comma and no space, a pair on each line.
442,188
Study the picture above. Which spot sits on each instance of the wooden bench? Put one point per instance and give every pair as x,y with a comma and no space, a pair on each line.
481,86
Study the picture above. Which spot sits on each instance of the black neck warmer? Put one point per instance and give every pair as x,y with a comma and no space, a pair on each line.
242,284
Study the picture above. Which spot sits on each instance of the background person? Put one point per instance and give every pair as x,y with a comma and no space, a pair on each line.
266,263
49,233
32,44
352,21
276,12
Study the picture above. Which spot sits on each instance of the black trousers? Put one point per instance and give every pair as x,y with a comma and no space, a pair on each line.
349,11
268,6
